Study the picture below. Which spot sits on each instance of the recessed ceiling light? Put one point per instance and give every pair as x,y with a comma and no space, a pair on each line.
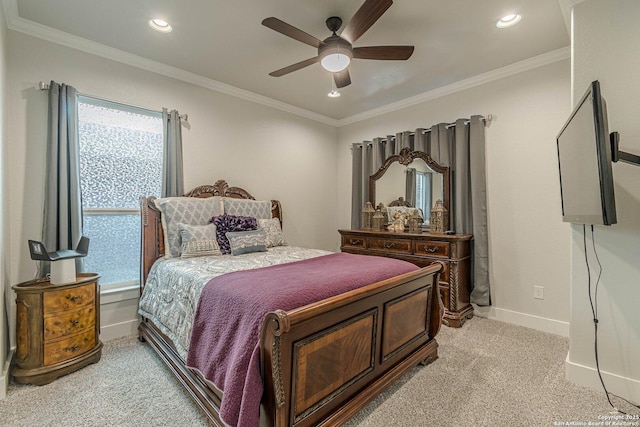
160,25
333,94
508,20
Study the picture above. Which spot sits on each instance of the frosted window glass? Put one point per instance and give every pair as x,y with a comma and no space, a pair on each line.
120,161
120,156
114,247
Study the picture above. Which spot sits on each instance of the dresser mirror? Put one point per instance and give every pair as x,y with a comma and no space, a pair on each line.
426,180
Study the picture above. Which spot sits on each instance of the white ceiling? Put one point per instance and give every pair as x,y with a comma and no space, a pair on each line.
224,43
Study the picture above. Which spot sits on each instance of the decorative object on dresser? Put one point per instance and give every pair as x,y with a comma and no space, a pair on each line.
367,216
439,220
422,249
57,328
378,220
415,222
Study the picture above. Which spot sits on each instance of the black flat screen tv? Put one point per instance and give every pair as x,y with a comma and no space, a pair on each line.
584,160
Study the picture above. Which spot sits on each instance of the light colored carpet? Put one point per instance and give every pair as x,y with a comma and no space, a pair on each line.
489,373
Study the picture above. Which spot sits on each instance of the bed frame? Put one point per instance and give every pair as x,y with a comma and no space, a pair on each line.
323,362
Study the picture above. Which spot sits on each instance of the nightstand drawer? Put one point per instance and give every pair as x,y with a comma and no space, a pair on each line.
67,324
354,242
432,249
59,351
69,299
390,245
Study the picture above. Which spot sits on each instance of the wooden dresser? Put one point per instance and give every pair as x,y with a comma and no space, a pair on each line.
57,328
422,249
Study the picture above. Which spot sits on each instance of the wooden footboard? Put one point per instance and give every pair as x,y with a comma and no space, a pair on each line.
322,363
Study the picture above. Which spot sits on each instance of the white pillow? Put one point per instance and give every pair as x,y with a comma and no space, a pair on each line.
198,240
185,210
273,231
259,209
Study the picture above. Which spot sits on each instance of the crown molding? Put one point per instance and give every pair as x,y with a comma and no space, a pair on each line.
16,23
480,79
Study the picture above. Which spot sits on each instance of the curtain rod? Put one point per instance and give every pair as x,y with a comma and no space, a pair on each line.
486,119
45,86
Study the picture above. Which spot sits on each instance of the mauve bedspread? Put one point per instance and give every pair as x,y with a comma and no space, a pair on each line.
226,330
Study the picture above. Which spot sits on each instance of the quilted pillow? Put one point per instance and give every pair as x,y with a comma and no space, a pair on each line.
273,231
244,242
198,240
229,223
184,210
247,207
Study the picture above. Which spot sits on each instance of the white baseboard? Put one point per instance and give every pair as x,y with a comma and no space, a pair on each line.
538,323
5,375
119,330
587,376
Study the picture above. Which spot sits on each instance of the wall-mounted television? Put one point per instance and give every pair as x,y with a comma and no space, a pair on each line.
584,160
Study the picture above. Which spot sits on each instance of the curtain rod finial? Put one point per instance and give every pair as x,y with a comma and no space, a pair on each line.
43,86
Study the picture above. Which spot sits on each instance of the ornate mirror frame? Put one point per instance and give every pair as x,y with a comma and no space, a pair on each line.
405,157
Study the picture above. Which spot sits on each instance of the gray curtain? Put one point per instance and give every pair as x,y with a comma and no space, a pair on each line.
410,187
62,225
172,173
461,147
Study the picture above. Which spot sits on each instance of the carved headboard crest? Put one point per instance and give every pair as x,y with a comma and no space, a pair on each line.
220,188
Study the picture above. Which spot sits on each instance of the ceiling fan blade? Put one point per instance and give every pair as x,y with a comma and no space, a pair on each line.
290,31
342,78
295,67
365,17
383,52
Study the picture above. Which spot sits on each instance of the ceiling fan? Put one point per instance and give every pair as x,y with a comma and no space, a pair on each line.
336,51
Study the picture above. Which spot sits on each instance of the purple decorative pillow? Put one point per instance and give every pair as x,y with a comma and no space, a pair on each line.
225,223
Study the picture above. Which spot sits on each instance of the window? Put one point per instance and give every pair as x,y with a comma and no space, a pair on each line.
423,193
120,161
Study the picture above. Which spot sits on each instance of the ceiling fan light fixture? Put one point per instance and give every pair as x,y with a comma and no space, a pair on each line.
508,20
160,25
335,62
335,54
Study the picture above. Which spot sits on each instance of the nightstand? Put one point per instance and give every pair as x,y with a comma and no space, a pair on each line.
57,328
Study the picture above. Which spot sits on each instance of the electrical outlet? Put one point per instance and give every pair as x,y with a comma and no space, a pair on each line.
538,292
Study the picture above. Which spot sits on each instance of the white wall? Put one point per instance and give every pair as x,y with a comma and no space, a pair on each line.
272,154
4,282
605,48
528,242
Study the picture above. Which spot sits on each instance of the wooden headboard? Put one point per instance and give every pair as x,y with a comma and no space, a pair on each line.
152,246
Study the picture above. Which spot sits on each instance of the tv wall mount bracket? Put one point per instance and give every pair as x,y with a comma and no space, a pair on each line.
623,156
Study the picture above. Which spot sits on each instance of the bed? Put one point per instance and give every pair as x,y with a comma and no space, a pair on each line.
318,363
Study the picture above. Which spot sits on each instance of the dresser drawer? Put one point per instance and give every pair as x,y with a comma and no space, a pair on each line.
354,242
67,324
59,351
431,248
69,299
390,245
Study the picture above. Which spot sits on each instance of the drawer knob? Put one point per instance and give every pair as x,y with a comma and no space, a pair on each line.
72,349
388,245
428,249
355,241
74,298
75,322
